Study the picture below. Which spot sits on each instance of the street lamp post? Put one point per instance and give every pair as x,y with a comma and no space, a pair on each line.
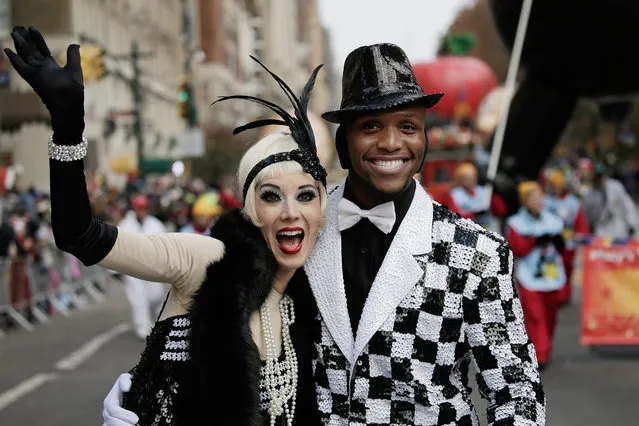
137,104
187,38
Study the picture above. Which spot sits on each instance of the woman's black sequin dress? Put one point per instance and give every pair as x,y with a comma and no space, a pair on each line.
166,356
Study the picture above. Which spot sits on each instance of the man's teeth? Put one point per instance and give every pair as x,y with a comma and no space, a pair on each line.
388,164
290,233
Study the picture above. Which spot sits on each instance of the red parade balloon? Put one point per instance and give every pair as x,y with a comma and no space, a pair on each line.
461,78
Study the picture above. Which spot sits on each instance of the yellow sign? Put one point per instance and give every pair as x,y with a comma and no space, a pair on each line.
567,234
550,271
122,164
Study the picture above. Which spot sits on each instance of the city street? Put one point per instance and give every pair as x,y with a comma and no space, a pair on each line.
58,374
239,120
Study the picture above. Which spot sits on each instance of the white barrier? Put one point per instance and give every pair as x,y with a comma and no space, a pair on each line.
31,292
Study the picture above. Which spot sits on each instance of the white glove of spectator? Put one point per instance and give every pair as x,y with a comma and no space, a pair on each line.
112,411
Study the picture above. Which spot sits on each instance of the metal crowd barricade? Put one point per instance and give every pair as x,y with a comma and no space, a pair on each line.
9,305
31,293
79,282
6,306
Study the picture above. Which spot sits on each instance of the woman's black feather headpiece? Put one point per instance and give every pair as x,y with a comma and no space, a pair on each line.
300,126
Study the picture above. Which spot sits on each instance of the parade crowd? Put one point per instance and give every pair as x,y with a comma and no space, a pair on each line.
559,212
567,207
28,251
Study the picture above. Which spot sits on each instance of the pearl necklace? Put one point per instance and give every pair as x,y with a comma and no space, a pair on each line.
280,383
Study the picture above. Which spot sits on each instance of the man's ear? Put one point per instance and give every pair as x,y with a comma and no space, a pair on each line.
425,151
341,145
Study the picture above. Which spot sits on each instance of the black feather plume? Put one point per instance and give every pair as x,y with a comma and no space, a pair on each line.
259,123
274,107
287,90
299,125
305,97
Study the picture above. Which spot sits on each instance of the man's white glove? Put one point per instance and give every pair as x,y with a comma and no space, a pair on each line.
112,411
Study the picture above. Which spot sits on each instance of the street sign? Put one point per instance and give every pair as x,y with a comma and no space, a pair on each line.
4,77
156,165
190,143
5,28
4,72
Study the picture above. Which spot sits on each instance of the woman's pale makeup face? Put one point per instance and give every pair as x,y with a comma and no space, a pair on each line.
289,211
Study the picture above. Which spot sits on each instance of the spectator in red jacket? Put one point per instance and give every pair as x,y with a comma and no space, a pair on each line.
567,206
535,237
470,200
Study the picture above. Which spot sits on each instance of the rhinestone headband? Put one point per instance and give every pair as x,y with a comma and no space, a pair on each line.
308,160
68,152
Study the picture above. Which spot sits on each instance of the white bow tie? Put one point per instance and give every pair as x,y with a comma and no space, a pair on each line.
382,216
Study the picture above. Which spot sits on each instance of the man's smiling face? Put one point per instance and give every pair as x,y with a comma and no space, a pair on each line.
386,149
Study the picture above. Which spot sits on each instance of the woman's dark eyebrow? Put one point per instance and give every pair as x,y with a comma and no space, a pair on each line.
307,186
269,185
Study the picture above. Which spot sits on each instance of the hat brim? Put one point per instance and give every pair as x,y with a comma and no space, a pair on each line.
382,103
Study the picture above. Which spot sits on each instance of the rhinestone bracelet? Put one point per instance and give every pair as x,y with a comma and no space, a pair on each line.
68,152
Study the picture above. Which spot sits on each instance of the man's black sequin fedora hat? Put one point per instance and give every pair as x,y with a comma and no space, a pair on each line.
378,77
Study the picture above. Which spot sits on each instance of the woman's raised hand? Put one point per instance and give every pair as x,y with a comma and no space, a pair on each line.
60,88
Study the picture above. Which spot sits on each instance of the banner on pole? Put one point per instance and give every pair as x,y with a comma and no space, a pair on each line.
190,143
610,294
5,18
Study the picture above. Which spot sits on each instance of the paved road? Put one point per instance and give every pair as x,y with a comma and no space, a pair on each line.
65,368
59,374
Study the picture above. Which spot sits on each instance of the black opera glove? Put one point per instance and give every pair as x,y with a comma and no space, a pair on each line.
559,242
61,89
542,240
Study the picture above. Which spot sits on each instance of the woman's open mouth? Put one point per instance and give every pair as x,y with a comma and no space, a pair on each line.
290,240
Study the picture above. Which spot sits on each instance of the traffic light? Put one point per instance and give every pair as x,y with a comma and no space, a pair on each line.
99,70
85,61
184,97
92,61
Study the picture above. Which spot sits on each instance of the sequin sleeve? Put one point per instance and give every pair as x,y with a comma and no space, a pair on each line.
179,259
504,357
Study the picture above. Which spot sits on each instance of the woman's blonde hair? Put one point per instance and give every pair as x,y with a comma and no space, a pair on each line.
273,143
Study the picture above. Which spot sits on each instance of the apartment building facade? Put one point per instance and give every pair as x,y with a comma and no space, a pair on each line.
113,25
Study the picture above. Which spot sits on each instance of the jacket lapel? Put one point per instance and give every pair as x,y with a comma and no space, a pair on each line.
399,271
324,271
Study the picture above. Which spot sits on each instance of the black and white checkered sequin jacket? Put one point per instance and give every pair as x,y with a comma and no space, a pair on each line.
444,297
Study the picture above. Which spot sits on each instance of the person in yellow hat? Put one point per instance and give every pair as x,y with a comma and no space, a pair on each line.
535,237
471,201
561,202
203,214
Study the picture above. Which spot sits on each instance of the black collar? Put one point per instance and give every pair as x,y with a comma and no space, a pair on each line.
533,215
